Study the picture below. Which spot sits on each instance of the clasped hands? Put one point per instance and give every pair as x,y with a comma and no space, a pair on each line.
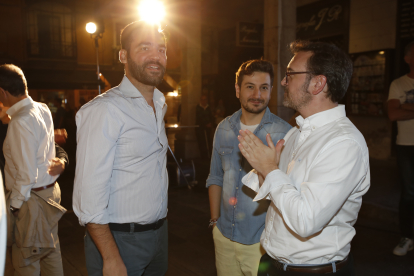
263,158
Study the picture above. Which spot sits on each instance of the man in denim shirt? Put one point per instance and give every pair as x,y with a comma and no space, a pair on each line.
239,220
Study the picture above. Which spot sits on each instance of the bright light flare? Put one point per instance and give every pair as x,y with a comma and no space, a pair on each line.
175,125
91,28
172,94
151,11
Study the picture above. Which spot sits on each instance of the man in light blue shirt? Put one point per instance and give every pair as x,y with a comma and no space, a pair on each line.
121,180
239,220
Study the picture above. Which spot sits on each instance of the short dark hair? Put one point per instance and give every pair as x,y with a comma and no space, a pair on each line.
255,65
330,61
131,28
12,80
408,48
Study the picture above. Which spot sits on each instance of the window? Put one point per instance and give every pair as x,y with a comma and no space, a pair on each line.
51,31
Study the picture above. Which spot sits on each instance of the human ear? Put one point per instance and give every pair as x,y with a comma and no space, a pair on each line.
123,56
237,90
318,84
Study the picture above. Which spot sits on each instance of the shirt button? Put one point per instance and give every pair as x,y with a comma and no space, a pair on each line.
240,169
237,188
234,206
233,224
223,152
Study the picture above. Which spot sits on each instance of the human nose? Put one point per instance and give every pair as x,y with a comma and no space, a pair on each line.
154,54
256,92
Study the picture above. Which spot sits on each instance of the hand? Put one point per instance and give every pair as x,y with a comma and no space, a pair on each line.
261,179
114,267
261,157
57,166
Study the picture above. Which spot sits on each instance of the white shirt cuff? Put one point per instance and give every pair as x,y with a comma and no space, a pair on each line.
251,180
273,180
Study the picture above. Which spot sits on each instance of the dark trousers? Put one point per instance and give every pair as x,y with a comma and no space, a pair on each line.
405,160
204,141
143,253
267,267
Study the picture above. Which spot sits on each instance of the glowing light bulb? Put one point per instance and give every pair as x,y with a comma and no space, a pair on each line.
151,11
91,27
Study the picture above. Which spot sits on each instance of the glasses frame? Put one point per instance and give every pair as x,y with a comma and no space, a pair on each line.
288,73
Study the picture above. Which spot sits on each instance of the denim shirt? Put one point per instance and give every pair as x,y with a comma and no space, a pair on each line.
241,220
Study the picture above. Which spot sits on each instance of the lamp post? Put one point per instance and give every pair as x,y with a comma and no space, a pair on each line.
92,29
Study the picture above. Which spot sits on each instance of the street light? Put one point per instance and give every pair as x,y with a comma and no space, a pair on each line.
151,11
91,27
96,31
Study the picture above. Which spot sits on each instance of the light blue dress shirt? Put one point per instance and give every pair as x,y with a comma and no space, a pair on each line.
241,219
121,174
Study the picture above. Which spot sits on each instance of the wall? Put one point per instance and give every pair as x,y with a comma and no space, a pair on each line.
372,25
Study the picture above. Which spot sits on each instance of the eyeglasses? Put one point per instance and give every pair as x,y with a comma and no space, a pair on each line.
288,73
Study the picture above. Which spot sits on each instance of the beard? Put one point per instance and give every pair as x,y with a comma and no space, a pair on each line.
138,72
254,110
301,100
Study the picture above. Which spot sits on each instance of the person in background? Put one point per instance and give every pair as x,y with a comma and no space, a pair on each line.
205,121
219,112
33,195
315,185
401,109
238,221
59,118
121,179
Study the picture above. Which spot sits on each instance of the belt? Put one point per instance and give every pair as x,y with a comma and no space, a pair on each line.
135,227
44,187
316,269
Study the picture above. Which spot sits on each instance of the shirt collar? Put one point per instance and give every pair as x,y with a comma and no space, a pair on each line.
129,90
203,107
235,118
321,118
19,105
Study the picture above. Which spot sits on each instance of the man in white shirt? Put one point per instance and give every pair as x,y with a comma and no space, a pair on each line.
401,109
29,151
316,189
121,180
3,228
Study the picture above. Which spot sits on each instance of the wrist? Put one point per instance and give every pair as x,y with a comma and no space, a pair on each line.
212,222
268,170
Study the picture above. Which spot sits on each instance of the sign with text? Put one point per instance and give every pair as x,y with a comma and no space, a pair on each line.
406,19
321,19
250,34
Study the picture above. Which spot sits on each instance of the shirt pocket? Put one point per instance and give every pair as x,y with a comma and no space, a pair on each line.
225,155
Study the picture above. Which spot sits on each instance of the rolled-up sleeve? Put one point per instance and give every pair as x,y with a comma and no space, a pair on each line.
98,129
216,169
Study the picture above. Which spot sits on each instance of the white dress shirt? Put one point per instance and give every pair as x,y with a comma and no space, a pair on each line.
121,174
3,227
317,192
28,149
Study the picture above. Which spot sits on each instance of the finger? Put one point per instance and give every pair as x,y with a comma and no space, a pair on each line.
242,133
254,138
280,145
244,152
269,141
244,143
245,135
